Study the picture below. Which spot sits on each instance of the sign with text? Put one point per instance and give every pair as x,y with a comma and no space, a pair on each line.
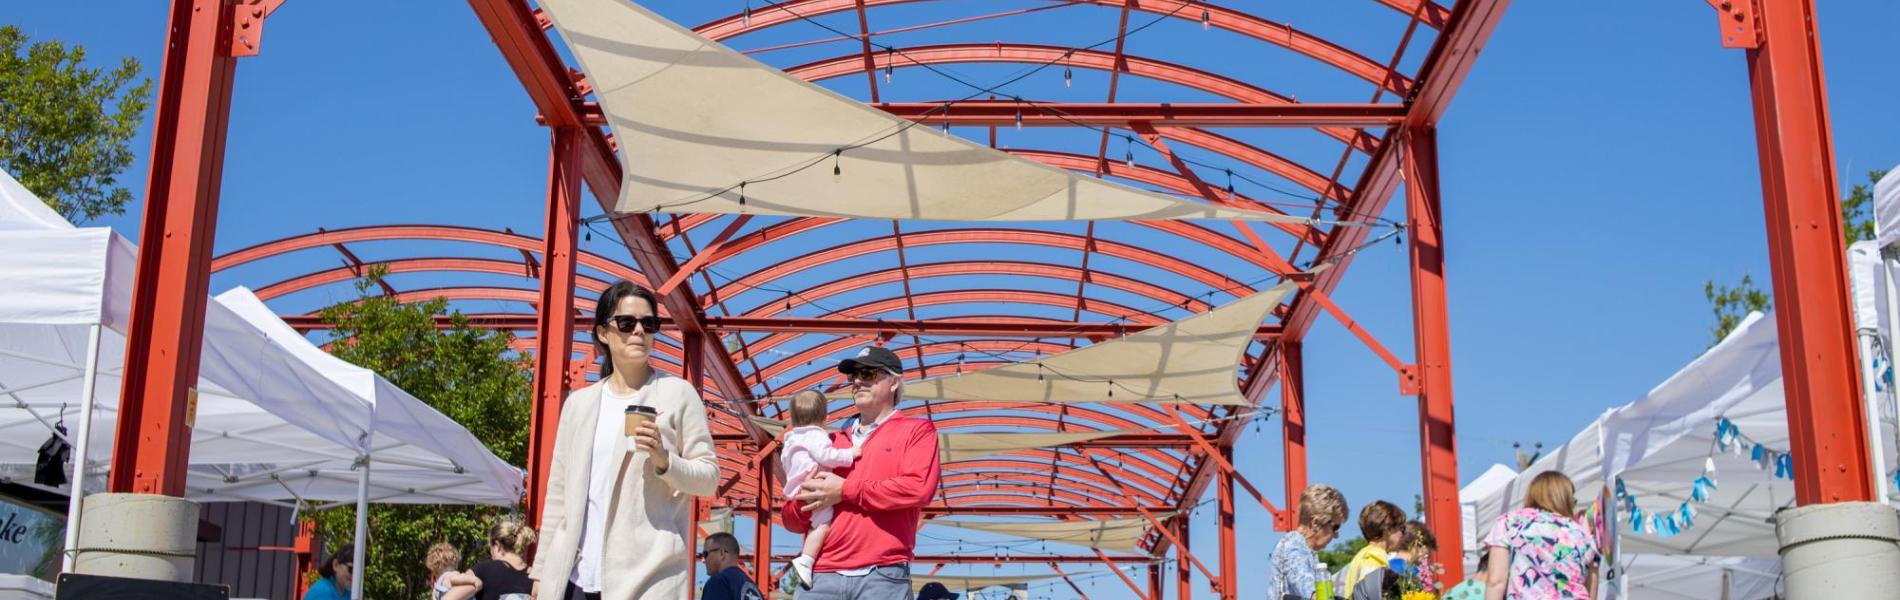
30,539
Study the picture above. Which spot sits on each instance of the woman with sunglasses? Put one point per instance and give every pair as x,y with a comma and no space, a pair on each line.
618,508
1295,571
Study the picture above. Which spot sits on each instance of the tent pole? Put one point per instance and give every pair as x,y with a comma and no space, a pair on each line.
1893,339
360,546
80,447
1870,388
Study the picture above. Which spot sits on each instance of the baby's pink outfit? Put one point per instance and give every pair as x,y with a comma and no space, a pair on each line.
808,449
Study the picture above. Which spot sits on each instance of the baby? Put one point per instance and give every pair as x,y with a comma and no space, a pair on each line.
808,450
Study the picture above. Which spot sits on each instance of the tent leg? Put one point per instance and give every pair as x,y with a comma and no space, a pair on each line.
361,545
81,447
1437,443
1869,340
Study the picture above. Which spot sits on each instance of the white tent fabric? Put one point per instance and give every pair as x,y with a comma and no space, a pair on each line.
695,118
978,582
414,443
1663,577
269,426
1887,208
1107,534
1481,496
1192,360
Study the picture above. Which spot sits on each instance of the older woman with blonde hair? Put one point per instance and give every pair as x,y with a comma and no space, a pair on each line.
1542,550
1295,570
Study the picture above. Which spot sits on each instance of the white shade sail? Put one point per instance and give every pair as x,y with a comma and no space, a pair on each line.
1123,535
694,119
1193,360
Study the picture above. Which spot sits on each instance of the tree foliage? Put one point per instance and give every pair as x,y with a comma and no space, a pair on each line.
1341,552
469,374
1731,303
65,128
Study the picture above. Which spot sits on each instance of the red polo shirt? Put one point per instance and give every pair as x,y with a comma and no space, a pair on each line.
884,495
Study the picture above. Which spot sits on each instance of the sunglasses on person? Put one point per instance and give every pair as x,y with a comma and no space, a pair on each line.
702,553
626,323
863,377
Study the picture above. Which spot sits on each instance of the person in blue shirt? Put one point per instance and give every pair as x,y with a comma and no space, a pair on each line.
334,576
725,580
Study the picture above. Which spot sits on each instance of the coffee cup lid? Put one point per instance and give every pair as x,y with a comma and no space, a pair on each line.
642,409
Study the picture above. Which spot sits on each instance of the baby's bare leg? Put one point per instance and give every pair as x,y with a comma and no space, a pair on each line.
815,539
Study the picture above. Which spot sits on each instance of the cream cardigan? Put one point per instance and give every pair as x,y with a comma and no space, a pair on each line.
651,514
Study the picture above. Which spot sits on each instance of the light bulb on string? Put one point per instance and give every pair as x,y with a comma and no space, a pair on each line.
745,18
836,170
1068,76
1019,117
890,61
1129,158
1205,18
1230,185
741,193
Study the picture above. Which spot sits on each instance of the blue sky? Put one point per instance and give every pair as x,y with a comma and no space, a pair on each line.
1597,169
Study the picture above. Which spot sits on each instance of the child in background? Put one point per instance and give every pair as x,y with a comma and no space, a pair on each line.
807,450
1473,587
443,560
1382,524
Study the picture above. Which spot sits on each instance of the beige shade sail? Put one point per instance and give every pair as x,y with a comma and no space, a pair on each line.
1194,360
968,446
694,119
719,520
1122,535
973,582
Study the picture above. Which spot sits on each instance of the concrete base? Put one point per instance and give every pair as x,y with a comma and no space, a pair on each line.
1841,551
138,535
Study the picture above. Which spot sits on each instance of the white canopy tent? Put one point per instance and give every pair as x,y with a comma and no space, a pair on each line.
269,425
1481,497
695,119
1887,208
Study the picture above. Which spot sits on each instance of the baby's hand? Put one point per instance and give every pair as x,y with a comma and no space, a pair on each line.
857,452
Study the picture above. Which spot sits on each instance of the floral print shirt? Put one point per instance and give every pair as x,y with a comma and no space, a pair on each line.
1295,569
1551,555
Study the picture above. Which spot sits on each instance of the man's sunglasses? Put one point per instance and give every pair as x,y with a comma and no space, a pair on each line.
703,553
626,323
863,376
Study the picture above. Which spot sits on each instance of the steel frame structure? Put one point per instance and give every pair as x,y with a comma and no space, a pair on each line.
735,356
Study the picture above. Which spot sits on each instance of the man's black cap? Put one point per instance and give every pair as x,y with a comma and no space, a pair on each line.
871,357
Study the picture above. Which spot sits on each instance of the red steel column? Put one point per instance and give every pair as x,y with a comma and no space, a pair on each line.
554,325
1437,445
174,264
1155,581
1292,428
762,534
1183,577
1827,426
1229,561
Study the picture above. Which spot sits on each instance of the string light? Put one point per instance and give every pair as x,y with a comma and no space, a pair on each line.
1129,158
836,170
745,18
1230,185
1019,116
1204,16
890,61
1068,76
741,196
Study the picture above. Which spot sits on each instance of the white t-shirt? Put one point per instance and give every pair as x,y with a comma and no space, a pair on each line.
600,481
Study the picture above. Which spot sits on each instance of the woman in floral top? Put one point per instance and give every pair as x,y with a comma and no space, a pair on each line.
1540,552
1295,568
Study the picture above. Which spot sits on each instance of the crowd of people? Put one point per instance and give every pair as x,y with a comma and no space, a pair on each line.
1544,550
634,448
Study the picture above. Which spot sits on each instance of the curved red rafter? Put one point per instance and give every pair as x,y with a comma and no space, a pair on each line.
1278,34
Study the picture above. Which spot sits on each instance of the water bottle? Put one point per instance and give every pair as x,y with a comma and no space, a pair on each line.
1323,589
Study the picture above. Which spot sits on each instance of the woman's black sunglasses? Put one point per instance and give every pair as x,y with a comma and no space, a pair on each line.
625,323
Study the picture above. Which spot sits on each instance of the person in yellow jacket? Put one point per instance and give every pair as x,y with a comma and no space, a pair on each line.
1382,524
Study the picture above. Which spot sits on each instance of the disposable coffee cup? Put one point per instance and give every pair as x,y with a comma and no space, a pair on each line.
638,415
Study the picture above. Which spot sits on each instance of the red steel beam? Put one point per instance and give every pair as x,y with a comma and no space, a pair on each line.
1065,577
1237,21
555,322
1006,113
1827,423
1229,560
436,233
1184,578
1438,451
1450,59
166,332
532,57
1022,327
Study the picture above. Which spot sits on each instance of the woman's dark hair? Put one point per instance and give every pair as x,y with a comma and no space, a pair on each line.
604,316
343,554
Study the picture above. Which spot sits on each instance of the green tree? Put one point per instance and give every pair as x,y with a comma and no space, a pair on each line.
1341,552
65,128
469,374
1731,303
